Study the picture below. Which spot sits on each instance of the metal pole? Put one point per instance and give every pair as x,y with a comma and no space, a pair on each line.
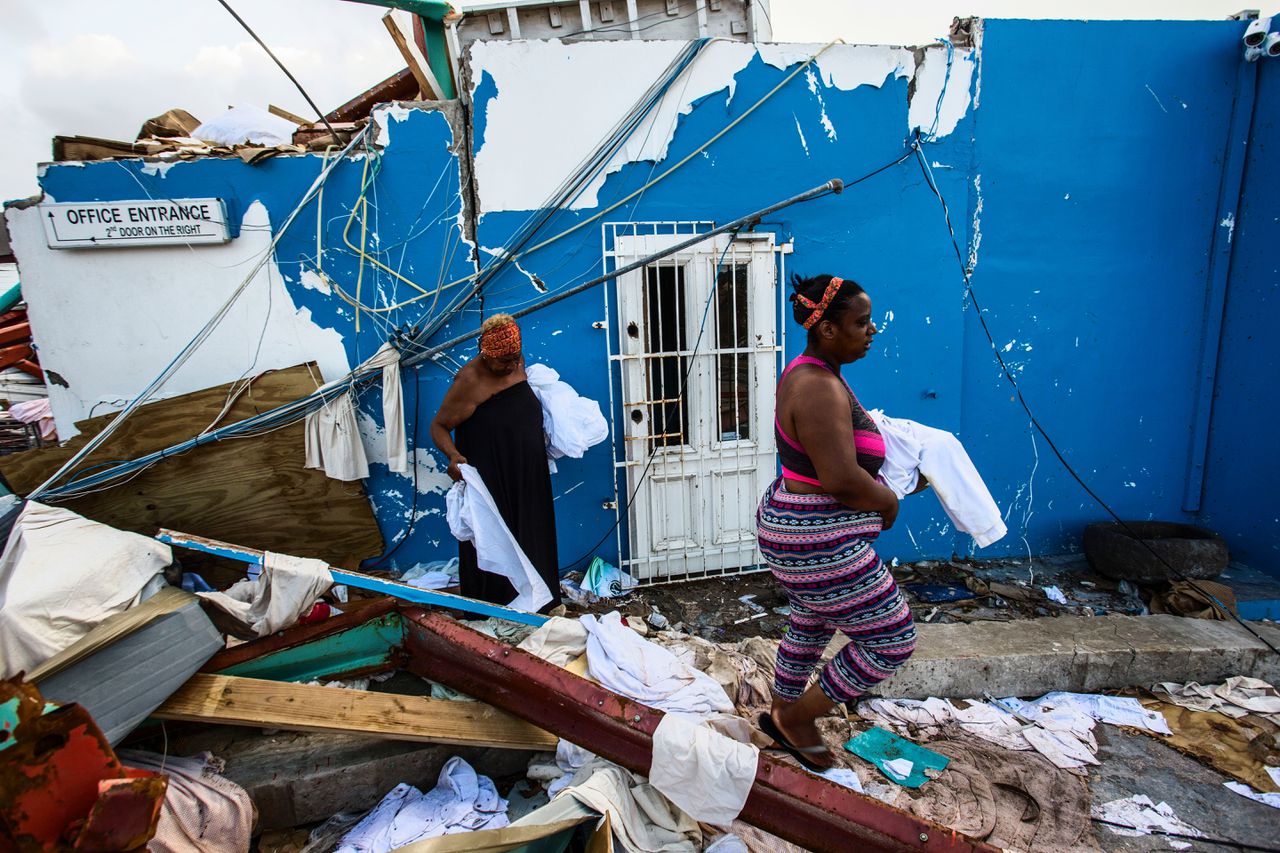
835,185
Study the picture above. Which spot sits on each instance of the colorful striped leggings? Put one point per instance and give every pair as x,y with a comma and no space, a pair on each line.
820,551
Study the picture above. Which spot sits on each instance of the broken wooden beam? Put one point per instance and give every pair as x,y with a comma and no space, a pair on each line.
789,802
232,700
422,73
400,86
361,581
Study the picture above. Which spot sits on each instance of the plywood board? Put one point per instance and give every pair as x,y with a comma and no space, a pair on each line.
254,491
282,705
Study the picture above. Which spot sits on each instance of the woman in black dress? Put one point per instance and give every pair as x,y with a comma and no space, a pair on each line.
496,421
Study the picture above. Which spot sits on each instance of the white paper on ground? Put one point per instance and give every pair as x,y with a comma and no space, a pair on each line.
1139,812
842,776
703,772
1271,799
1054,594
474,517
900,768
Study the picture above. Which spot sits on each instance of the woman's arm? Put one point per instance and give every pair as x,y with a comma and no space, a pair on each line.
824,426
457,406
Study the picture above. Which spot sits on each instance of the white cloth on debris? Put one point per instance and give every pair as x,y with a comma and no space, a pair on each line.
728,844
912,449
33,411
474,517
558,640
202,811
285,591
246,125
571,423
1236,697
1114,710
462,801
1139,812
332,432
1064,735
623,661
642,818
706,774
62,574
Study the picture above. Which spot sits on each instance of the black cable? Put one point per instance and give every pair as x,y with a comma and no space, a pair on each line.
966,274
1204,839
277,61
627,506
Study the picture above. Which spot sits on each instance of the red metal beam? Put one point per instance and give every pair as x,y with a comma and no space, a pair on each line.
787,801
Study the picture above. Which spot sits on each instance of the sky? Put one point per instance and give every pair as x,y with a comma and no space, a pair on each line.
101,69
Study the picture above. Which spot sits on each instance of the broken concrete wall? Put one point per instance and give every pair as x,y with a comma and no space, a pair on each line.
1082,185
109,320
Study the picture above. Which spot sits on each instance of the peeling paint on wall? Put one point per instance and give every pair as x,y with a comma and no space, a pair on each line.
942,85
139,312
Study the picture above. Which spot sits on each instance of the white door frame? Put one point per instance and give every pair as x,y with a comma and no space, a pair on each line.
696,463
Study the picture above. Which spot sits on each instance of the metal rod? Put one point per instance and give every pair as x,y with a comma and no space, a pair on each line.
835,185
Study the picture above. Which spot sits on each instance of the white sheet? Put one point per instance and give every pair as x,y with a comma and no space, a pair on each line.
285,591
572,424
474,517
912,449
462,801
332,434
62,574
704,773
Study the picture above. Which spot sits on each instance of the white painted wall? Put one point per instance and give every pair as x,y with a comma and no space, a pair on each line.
517,169
109,320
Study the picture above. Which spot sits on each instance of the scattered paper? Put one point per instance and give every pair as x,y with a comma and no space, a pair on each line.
1144,816
900,767
1272,800
1054,594
843,776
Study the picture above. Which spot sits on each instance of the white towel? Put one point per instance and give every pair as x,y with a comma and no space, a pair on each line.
911,449
474,517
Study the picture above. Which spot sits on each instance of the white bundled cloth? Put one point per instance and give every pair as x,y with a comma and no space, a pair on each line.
332,433
61,575
912,449
706,774
474,517
571,423
284,592
462,801
246,125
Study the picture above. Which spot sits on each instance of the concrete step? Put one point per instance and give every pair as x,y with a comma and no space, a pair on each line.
1030,657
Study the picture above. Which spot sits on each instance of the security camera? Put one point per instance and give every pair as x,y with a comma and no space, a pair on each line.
1256,33
1271,47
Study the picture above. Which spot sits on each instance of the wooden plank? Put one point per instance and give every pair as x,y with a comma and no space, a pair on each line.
230,700
421,71
286,115
253,490
403,591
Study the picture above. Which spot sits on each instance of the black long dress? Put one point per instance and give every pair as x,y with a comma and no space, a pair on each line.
503,440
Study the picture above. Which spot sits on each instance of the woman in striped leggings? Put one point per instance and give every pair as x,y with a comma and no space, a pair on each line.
817,522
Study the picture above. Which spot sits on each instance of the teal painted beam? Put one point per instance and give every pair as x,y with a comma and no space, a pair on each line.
366,646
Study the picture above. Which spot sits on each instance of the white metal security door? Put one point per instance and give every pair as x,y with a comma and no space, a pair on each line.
698,355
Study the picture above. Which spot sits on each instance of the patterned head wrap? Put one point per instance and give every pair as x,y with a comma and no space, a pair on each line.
501,339
819,308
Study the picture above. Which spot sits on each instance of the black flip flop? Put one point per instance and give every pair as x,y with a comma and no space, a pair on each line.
799,753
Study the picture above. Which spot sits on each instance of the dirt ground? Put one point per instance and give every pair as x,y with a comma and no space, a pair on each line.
731,608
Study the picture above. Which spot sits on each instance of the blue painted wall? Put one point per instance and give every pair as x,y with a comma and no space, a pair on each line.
1097,167
1240,494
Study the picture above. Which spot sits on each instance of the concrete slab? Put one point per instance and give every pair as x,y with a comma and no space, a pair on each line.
1137,764
1086,654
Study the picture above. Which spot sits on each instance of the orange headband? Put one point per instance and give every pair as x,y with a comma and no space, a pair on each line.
819,308
501,341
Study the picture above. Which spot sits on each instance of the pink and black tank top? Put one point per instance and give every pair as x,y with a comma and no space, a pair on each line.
867,441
